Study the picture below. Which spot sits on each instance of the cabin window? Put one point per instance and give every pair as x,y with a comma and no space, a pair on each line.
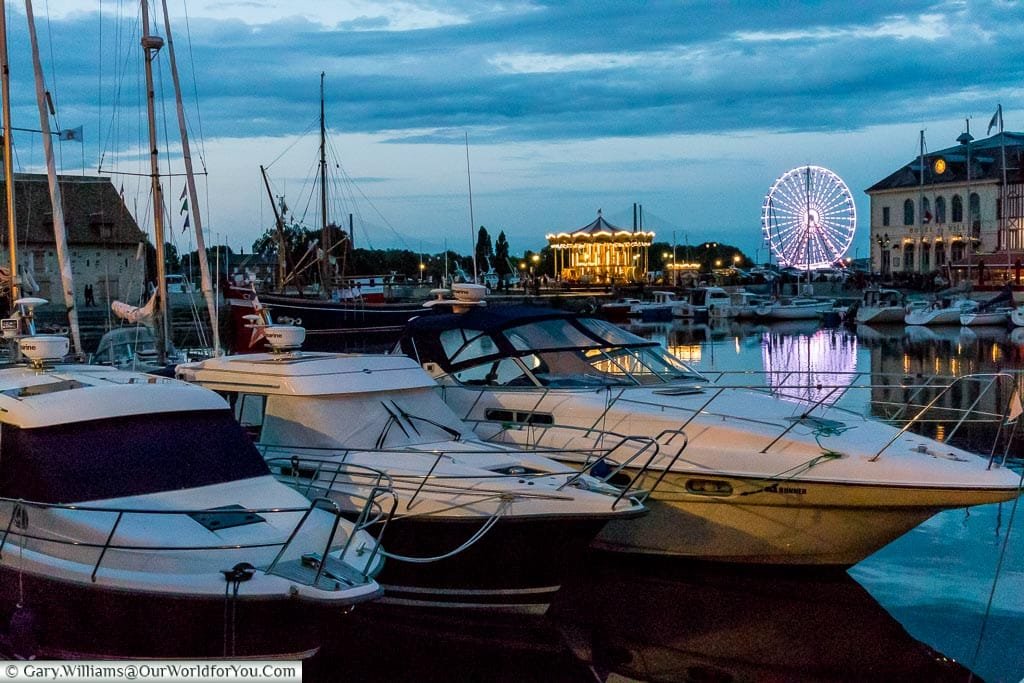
548,334
462,345
613,335
250,410
518,416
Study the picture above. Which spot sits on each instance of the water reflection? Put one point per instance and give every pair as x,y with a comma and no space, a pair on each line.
937,579
647,620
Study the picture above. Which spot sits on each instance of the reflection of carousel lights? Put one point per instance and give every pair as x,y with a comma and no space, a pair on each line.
809,367
940,432
688,353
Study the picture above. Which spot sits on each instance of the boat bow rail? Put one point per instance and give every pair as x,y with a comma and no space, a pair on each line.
319,470
607,463
20,526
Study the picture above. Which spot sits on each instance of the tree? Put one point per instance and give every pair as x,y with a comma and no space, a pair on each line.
484,250
501,265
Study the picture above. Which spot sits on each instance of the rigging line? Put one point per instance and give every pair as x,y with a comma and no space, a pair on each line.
995,577
297,140
195,87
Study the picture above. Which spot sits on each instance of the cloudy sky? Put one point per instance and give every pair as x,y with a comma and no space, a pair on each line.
690,108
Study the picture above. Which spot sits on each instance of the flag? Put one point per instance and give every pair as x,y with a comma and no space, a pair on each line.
74,134
997,119
184,206
185,227
927,216
184,191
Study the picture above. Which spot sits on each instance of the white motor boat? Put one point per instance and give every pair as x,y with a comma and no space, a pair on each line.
660,307
881,306
502,526
744,475
942,311
141,522
705,302
799,308
1017,316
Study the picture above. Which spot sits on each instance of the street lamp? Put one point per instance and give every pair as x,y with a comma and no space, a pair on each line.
423,267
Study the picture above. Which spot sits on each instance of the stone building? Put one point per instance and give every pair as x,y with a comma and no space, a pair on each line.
103,239
601,253
960,214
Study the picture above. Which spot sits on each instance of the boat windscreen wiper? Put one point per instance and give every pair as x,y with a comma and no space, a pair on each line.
452,432
392,419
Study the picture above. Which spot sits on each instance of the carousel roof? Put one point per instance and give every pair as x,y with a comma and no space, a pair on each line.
600,228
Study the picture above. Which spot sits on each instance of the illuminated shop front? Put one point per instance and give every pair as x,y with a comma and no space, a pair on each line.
601,253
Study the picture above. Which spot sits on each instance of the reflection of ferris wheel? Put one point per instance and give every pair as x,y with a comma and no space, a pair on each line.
808,218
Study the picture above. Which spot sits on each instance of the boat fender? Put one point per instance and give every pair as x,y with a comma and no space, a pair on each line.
23,632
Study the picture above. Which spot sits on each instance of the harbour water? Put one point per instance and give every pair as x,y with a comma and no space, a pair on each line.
944,602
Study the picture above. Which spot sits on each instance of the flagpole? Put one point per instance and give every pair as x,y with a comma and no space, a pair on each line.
920,208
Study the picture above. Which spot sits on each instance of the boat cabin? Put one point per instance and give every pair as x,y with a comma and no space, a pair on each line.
526,346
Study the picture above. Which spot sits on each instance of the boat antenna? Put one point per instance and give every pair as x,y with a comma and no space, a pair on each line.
5,84
59,229
472,222
206,283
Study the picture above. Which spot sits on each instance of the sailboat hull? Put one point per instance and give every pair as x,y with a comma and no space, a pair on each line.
329,325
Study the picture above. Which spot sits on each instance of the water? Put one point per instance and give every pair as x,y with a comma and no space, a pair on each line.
915,610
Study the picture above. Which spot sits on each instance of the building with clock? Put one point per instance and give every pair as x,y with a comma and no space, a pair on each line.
958,212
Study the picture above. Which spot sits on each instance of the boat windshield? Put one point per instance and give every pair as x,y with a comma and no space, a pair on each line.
128,455
571,368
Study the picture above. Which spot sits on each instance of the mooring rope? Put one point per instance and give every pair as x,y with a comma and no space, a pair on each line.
480,533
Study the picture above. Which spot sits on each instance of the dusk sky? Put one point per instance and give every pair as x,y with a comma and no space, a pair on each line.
691,109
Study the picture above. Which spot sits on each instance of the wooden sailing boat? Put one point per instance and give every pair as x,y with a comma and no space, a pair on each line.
337,311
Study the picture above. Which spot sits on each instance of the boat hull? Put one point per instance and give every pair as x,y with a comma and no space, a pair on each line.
329,325
793,522
63,619
878,316
515,568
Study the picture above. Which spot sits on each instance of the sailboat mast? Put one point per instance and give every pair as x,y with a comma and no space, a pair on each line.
5,85
206,283
807,238
282,243
472,223
150,46
325,262
56,201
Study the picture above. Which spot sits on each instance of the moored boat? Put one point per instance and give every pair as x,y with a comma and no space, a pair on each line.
140,522
754,476
477,526
881,306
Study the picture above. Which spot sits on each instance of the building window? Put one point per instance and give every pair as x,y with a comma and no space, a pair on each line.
908,254
926,210
940,255
908,212
958,209
940,209
956,251
975,213
885,216
926,260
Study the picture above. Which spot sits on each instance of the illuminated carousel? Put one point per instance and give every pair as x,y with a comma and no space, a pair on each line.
601,253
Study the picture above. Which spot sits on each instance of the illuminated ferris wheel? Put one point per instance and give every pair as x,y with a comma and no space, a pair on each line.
808,218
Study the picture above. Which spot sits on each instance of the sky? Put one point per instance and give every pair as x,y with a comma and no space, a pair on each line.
691,109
